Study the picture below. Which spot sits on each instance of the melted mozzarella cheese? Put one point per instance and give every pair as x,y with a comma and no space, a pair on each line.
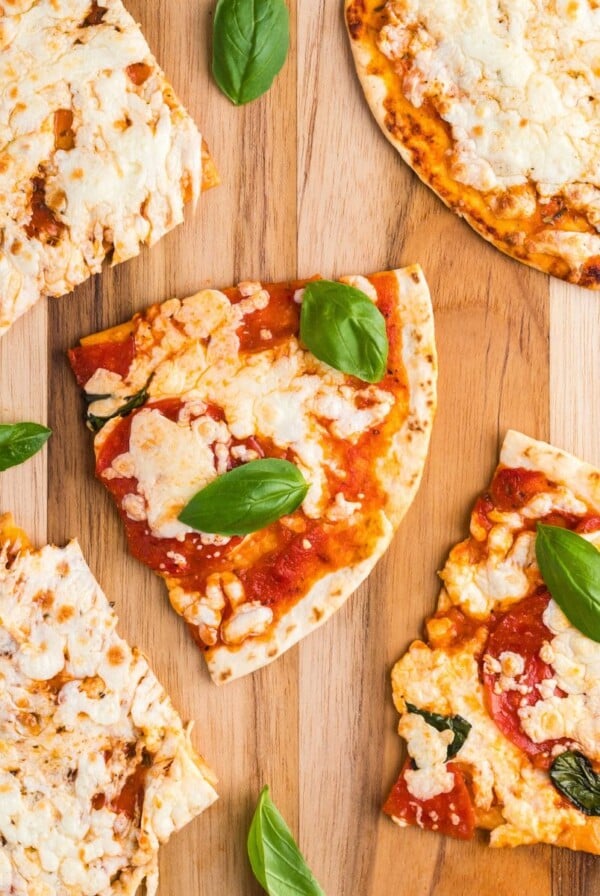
518,84
575,661
283,394
80,712
449,683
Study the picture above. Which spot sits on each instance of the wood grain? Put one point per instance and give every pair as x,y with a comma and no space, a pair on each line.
310,185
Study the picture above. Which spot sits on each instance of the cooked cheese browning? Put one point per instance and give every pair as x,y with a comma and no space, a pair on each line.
503,656
495,106
517,83
97,155
96,768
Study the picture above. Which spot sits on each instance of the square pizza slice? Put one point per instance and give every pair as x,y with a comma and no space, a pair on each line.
96,767
192,391
501,703
97,154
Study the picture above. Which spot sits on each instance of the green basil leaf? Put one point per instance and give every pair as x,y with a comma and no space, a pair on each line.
342,327
570,567
20,441
459,727
573,776
276,861
246,498
96,423
250,43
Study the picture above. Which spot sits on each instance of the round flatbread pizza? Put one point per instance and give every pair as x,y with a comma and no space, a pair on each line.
495,106
212,410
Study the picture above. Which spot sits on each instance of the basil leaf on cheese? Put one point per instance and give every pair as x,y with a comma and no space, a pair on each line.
573,776
456,724
20,441
341,326
246,498
570,567
131,402
250,44
277,863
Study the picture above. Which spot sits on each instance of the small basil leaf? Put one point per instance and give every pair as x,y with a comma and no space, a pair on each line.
570,567
573,776
456,724
246,498
276,861
20,441
342,327
250,43
96,423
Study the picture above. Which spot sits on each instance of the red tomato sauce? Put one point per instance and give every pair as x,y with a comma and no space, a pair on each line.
512,488
449,813
520,630
274,324
113,356
284,561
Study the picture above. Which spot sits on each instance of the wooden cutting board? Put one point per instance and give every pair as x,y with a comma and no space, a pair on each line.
310,185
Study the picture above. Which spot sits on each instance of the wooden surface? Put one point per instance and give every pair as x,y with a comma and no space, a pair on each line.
310,185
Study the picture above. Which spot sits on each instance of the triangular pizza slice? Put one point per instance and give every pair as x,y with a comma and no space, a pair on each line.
193,390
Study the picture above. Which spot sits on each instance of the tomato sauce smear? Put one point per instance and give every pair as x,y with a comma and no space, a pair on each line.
520,630
449,813
114,356
279,564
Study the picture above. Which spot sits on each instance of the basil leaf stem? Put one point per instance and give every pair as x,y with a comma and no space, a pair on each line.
570,567
573,776
344,328
277,863
250,43
246,498
457,724
20,441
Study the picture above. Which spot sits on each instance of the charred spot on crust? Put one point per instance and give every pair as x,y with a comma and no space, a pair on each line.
94,16
590,274
354,18
43,224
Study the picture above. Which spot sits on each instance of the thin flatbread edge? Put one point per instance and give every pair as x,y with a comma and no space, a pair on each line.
400,474
581,478
466,202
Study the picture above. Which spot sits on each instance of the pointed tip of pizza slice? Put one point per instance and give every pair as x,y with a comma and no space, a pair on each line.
96,765
504,686
104,165
193,388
